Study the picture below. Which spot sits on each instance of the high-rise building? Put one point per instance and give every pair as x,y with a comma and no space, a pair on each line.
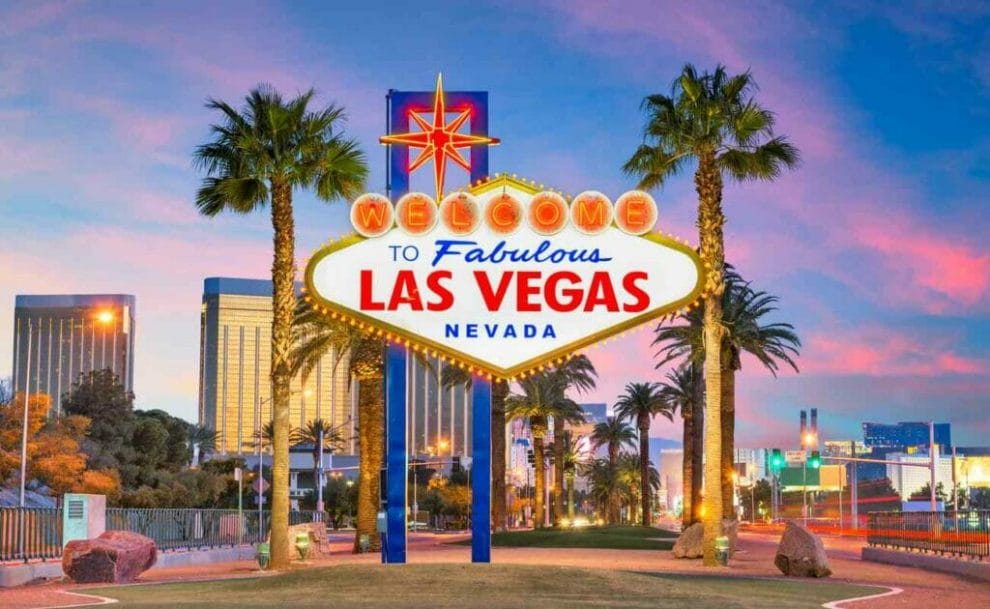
57,337
906,434
235,370
438,418
910,479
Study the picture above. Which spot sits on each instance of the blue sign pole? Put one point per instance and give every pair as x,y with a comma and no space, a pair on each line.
481,470
394,548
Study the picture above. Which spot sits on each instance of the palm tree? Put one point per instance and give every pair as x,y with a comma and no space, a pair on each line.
606,486
632,480
452,376
640,403
614,433
680,391
267,434
315,335
577,373
315,433
202,440
713,119
572,460
742,311
541,398
257,157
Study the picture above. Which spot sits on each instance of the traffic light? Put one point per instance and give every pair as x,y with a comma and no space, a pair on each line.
531,458
776,460
815,461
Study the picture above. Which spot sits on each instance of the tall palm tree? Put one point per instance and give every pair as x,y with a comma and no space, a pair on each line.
202,440
679,391
452,376
615,434
258,156
640,403
713,119
572,460
579,374
315,335
316,432
540,399
743,310
606,486
632,478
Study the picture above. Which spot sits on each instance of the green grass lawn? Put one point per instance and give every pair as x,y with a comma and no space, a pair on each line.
613,538
467,586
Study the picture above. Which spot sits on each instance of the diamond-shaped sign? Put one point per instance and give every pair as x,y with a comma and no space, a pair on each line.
504,302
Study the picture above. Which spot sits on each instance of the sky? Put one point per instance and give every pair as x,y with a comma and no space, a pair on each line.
876,245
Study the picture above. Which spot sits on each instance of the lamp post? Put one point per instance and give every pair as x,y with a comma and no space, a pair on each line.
808,441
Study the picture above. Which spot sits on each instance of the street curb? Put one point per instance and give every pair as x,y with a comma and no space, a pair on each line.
955,566
17,575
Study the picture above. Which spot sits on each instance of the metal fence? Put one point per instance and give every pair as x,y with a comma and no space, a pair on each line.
963,533
27,533
36,533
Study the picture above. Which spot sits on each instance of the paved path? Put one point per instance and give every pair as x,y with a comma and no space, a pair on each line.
922,589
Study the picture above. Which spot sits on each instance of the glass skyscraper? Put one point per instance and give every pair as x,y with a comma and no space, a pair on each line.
235,370
57,337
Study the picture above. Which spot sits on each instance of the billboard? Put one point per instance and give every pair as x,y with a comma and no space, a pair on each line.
503,277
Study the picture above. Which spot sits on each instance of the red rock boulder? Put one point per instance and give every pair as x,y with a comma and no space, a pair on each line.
113,557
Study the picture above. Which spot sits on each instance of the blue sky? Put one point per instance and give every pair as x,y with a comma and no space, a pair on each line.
876,245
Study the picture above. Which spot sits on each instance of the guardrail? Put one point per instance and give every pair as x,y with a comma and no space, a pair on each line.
963,533
27,533
36,533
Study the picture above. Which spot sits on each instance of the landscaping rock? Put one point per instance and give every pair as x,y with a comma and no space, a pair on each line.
113,557
801,553
689,544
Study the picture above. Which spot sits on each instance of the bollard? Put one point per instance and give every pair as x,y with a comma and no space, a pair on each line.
302,545
722,550
264,555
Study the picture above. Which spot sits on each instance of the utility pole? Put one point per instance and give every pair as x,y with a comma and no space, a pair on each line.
932,458
319,473
854,496
24,432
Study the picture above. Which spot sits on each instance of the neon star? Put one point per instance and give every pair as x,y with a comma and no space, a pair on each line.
439,140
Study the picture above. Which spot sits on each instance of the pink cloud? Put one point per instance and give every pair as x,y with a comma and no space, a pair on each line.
884,352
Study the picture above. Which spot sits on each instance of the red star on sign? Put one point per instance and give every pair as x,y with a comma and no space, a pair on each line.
439,140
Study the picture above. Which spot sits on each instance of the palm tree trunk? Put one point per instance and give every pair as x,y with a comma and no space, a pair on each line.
558,470
371,436
687,470
708,183
500,390
540,481
283,304
697,456
644,471
728,433
569,477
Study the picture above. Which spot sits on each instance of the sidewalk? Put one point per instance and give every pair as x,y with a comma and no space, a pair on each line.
754,559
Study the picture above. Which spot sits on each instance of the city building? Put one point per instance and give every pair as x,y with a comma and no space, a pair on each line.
844,448
906,435
909,479
669,466
751,465
235,364
57,337
235,392
439,419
